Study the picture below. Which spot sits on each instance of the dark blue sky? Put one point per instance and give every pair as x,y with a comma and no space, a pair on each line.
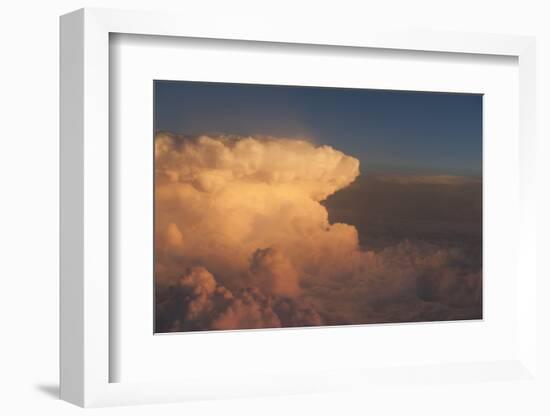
388,131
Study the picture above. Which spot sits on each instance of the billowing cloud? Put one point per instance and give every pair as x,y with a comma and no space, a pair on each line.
243,241
197,302
273,272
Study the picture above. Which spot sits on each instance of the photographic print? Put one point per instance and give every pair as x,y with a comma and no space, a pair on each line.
293,206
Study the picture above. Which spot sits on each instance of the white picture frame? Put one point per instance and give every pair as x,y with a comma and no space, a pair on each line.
85,355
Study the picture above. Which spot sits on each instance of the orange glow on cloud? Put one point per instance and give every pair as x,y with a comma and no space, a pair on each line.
243,237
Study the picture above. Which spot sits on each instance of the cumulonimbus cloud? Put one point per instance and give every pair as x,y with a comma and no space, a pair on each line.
243,241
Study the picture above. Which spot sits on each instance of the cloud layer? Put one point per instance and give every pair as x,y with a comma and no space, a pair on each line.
244,241
387,209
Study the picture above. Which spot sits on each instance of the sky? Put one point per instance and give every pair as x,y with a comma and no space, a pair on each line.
388,131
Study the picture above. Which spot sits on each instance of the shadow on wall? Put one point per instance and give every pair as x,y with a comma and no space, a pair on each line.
51,390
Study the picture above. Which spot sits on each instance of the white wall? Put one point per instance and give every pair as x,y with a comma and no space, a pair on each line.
29,207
